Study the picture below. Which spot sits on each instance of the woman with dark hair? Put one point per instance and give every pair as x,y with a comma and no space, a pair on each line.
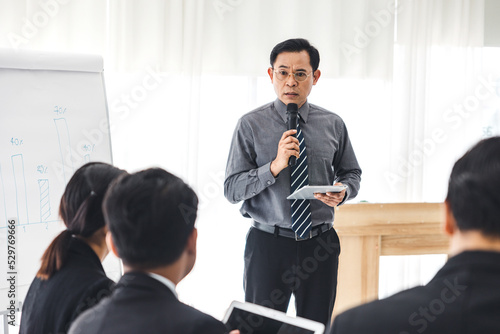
71,277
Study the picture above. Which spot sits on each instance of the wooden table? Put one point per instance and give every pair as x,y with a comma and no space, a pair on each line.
368,231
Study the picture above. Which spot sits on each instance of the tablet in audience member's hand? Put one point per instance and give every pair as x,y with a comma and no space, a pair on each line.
256,319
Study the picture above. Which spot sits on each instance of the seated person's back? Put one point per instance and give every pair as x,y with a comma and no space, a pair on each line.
71,278
464,296
151,216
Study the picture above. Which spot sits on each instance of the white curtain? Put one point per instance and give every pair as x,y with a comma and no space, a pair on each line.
442,87
180,73
437,62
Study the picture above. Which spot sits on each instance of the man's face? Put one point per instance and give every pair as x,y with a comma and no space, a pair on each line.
290,90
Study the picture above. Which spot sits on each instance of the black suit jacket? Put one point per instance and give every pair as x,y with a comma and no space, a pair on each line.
142,304
463,297
51,305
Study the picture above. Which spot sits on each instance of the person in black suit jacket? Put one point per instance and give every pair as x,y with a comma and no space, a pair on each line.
151,216
464,296
71,277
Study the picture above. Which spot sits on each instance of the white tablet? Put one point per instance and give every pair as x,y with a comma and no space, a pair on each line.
256,319
307,192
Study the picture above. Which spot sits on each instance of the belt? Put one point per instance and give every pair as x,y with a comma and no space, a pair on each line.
289,233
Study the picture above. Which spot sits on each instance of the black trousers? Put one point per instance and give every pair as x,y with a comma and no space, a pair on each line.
276,267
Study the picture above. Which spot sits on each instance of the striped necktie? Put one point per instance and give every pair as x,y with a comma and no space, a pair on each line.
301,212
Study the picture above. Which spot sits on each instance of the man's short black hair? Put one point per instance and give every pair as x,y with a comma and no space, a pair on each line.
150,215
474,189
296,45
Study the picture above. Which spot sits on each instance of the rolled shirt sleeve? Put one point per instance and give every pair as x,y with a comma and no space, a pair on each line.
244,179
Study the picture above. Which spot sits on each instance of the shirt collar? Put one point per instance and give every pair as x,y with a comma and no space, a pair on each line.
165,281
281,109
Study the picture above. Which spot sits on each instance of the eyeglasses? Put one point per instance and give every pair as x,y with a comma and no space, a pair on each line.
282,75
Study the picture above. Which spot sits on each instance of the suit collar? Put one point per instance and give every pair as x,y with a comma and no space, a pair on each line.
82,250
168,283
481,257
471,260
142,280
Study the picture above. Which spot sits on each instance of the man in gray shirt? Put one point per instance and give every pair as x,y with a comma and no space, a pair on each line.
278,262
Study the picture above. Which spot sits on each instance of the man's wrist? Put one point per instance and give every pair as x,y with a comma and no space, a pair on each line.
274,170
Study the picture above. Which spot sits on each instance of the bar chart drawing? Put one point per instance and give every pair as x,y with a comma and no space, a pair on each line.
43,186
3,211
20,189
64,147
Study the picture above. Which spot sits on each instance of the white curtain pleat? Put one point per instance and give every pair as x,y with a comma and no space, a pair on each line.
437,65
437,41
54,25
231,33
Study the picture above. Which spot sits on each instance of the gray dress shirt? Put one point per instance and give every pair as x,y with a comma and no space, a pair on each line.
254,146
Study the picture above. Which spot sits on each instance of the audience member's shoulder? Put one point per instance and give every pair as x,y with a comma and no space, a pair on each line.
94,293
89,307
186,320
360,320
381,316
90,320
201,322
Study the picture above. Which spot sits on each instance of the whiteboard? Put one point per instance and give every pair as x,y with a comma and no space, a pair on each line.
53,119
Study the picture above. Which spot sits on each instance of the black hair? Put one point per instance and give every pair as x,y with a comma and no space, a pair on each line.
80,210
296,45
474,189
150,215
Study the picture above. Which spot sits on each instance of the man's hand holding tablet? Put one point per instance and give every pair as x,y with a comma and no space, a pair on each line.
332,198
330,195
